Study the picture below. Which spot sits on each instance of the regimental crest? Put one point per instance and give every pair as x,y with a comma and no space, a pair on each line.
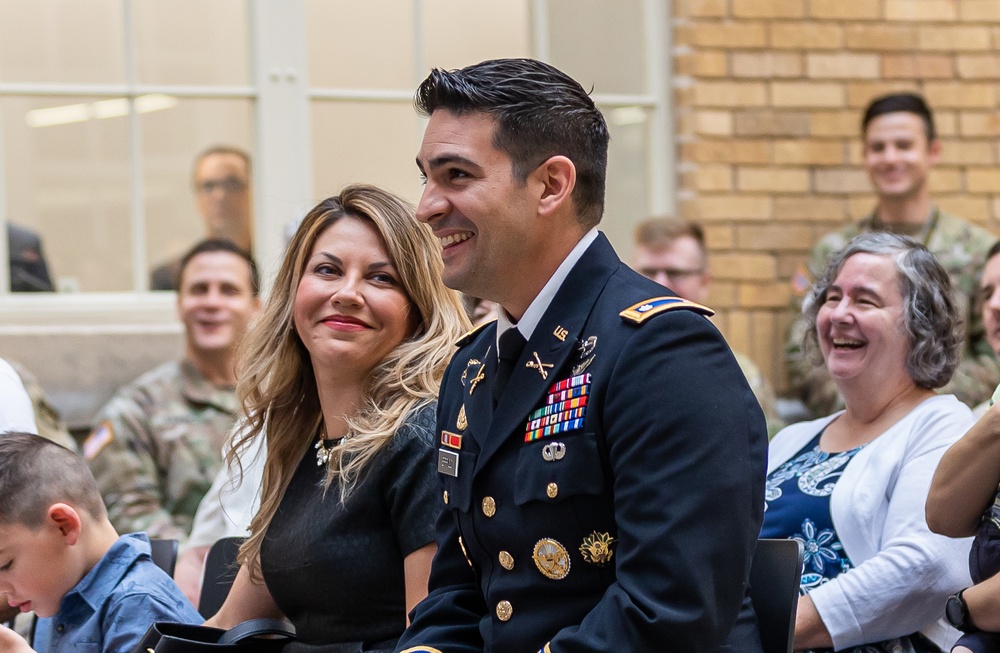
596,548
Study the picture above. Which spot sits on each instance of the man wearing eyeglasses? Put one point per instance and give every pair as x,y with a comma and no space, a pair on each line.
221,184
672,253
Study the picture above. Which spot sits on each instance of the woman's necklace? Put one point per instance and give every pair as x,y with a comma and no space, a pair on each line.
323,452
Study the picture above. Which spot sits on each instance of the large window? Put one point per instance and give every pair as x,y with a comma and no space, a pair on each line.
105,103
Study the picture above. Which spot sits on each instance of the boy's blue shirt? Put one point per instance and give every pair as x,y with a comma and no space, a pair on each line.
111,608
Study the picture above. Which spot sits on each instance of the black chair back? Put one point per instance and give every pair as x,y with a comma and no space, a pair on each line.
775,574
220,572
164,554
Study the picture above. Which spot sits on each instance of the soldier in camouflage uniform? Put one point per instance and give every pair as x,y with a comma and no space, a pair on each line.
157,445
900,149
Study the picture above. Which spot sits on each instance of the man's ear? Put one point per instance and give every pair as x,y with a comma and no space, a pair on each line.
66,518
934,151
557,179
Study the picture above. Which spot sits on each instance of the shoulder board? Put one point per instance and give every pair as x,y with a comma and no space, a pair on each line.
470,334
646,309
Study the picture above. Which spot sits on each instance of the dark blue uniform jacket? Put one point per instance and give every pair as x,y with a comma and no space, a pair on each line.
628,525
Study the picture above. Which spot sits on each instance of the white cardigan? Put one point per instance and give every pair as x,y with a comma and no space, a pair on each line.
902,573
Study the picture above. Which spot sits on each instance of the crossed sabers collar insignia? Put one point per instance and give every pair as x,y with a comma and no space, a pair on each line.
537,364
480,372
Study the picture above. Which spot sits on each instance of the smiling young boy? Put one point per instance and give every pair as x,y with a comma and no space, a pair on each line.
62,558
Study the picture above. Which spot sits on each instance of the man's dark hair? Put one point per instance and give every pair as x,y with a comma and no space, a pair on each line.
540,112
36,473
895,102
993,251
220,149
221,245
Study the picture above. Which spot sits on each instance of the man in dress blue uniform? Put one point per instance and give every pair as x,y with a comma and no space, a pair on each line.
603,477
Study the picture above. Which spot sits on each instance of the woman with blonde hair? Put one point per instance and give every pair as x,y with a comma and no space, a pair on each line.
339,377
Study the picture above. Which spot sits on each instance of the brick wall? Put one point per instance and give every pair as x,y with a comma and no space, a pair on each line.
768,97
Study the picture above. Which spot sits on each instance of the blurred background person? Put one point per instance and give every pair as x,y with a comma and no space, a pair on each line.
222,187
158,443
900,149
343,371
29,271
851,486
672,252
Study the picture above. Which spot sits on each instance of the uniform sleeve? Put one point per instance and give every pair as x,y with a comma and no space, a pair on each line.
686,445
902,588
122,453
449,616
412,489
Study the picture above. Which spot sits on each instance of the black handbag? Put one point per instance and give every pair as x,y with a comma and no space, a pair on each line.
169,637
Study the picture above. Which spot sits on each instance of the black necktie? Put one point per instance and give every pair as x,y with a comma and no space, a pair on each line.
509,349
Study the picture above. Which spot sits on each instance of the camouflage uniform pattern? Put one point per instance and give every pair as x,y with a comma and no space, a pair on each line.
47,418
763,391
157,448
961,248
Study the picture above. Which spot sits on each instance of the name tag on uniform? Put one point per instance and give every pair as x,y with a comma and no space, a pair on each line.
448,462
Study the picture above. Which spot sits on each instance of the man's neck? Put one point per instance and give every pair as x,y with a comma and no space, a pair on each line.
536,274
904,210
218,368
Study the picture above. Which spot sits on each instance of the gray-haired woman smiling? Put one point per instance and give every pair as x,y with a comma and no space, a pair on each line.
852,486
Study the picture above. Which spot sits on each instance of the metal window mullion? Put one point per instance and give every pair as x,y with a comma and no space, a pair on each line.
361,94
118,90
540,36
660,172
4,246
137,208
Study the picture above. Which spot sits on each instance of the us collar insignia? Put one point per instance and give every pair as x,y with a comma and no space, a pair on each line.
586,350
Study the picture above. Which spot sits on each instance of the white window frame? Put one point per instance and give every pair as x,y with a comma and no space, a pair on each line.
281,95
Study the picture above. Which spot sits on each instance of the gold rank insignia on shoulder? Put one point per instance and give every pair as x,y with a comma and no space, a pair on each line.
551,558
646,309
596,548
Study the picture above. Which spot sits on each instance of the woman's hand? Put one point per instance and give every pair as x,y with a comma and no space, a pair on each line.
11,642
417,571
810,631
246,600
966,480
189,570
983,601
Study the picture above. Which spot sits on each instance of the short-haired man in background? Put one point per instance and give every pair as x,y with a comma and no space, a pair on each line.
222,187
158,443
900,148
601,455
672,252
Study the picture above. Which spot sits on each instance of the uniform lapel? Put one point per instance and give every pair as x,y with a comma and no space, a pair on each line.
565,317
478,401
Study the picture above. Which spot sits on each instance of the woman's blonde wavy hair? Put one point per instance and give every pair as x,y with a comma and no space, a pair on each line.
277,387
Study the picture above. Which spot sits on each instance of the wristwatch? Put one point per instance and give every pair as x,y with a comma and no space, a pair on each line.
957,613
